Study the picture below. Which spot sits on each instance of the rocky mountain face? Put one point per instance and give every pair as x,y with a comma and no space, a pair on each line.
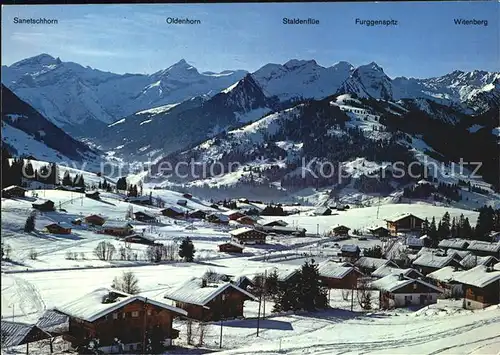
73,96
26,132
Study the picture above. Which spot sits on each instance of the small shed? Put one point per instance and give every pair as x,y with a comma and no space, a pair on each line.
44,205
198,214
340,230
118,228
323,211
172,212
144,216
231,247
351,251
182,202
95,220
16,333
95,195
14,191
139,239
187,195
57,228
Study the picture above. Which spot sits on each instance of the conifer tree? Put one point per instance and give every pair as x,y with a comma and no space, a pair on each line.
186,250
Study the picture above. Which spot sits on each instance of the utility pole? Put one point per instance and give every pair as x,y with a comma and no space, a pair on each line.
352,298
145,324
223,298
265,287
258,313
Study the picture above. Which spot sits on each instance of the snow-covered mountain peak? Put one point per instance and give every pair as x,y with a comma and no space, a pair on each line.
368,81
342,66
39,60
295,63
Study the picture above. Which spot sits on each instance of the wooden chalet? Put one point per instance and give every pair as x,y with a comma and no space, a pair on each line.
95,220
453,243
428,262
275,223
404,223
243,282
284,230
144,200
143,216
247,220
445,279
139,239
286,276
368,264
350,251
95,195
231,247
340,231
182,203
379,232
172,212
323,211
56,228
218,218
481,286
234,215
198,214
248,236
14,191
44,205
386,270
109,314
338,276
402,291
117,228
470,260
77,222
16,334
210,302
484,248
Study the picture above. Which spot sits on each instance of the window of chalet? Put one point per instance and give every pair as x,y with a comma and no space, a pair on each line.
149,312
135,314
115,315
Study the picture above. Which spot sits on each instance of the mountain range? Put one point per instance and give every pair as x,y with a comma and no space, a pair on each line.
295,110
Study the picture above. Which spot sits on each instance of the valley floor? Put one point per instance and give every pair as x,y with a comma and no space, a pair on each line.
28,287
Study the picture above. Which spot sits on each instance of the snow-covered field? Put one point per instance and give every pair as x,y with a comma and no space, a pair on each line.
30,286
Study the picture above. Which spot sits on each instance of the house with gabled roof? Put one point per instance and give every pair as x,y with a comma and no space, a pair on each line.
471,260
445,279
247,235
484,248
340,230
379,231
338,276
111,314
205,301
13,191
44,205
402,291
404,223
117,228
275,223
231,247
173,212
481,286
145,216
454,243
17,333
428,263
350,251
58,228
368,264
386,270
95,219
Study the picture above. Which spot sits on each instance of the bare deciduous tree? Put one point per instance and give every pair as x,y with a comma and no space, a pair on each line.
202,332
189,331
364,293
104,251
127,282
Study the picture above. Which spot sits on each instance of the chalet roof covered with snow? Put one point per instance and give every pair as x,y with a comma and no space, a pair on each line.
53,322
350,248
116,224
401,216
472,260
40,202
497,266
193,292
479,276
90,307
175,209
391,283
454,243
321,210
476,245
340,227
334,270
385,270
243,230
414,242
459,253
278,221
434,261
145,213
445,274
220,216
16,333
233,243
14,187
369,262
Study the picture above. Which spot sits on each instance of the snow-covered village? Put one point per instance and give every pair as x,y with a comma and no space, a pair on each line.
323,197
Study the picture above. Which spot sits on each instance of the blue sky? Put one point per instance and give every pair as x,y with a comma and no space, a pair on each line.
136,38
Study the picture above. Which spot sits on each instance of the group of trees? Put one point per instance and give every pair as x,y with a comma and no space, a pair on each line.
105,186
487,221
423,191
14,172
162,252
76,181
303,291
